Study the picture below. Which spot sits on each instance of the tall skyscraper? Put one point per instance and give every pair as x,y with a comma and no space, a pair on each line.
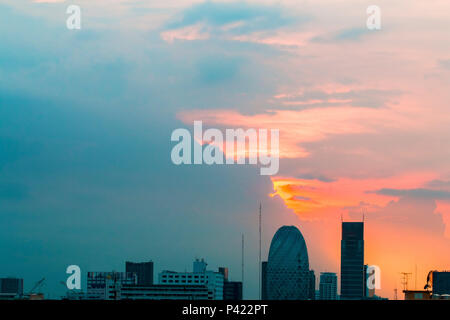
143,271
352,260
328,286
288,274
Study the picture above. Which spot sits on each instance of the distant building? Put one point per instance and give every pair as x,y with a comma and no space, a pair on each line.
143,271
312,285
368,292
99,284
264,280
352,261
328,286
441,282
288,274
213,280
417,295
11,288
159,292
232,290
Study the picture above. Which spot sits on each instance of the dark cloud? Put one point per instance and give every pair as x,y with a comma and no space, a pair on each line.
439,184
309,176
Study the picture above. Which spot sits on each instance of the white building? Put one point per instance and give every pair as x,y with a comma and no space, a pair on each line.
214,281
101,284
161,292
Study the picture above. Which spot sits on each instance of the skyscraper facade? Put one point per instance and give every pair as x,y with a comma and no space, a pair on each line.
352,261
288,275
328,286
143,271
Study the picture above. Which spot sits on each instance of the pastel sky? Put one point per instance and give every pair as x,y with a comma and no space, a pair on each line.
86,117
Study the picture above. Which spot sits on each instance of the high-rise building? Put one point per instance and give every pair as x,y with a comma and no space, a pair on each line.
104,285
143,271
11,288
288,274
213,280
264,280
352,261
328,286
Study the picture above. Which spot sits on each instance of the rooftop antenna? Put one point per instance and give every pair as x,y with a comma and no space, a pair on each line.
259,265
405,279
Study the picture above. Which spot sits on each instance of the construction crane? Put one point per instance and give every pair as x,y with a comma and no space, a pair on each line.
37,286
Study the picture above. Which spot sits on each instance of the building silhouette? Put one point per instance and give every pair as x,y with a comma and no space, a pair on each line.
143,271
328,286
441,282
352,261
232,290
287,272
11,288
264,280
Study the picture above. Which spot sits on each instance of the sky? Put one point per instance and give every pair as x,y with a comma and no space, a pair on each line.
86,118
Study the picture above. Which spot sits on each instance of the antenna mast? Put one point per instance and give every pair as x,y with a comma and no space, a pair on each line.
242,266
259,265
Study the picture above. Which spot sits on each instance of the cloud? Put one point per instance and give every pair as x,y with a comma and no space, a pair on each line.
235,21
235,17
415,193
350,34
349,96
444,63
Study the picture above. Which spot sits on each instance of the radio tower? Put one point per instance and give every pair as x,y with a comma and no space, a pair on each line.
242,266
259,265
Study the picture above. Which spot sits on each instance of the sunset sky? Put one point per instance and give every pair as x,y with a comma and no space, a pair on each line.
86,118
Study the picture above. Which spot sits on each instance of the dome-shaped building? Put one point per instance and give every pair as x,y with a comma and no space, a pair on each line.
288,276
